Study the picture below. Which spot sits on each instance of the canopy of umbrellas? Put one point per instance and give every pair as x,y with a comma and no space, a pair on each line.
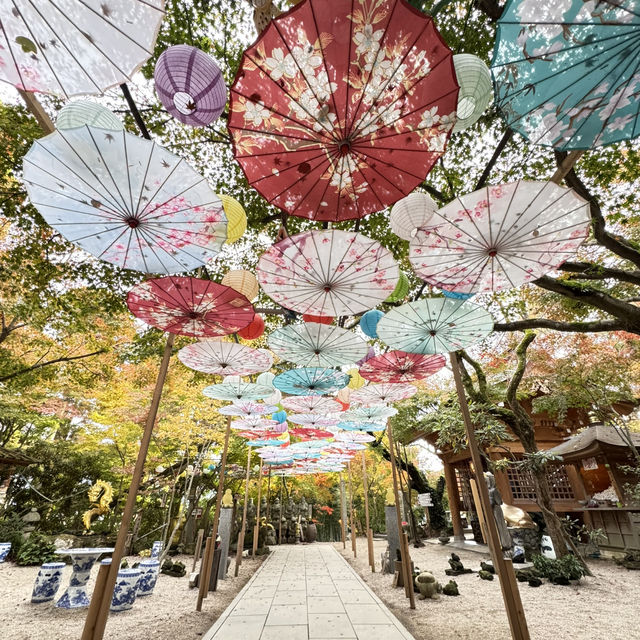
333,115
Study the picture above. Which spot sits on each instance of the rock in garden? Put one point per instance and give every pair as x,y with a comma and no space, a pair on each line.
427,585
451,588
485,575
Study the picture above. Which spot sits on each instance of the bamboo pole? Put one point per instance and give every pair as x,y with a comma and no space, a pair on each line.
94,629
94,606
280,524
268,514
256,529
204,584
369,532
404,548
343,513
504,568
205,571
354,544
37,111
240,548
566,165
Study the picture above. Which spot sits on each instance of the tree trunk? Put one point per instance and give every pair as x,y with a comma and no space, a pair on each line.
551,518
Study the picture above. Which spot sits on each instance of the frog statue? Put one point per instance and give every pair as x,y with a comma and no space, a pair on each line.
427,585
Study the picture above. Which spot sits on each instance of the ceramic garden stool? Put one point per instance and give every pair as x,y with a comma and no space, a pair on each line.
47,582
124,593
156,549
149,570
5,547
82,559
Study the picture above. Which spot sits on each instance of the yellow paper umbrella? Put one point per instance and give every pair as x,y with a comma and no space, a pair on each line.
243,282
236,218
357,380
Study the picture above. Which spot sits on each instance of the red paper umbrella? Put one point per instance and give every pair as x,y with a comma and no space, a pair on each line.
307,433
339,112
400,366
190,307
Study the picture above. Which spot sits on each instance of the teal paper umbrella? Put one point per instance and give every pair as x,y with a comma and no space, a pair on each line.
237,391
310,381
351,425
317,345
566,71
369,414
435,325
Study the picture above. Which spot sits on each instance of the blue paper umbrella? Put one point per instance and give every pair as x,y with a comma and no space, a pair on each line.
310,381
566,71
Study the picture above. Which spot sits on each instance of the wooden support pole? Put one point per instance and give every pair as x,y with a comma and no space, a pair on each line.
38,112
240,548
566,166
204,584
354,543
94,629
343,514
268,514
94,606
196,555
368,532
404,549
205,571
256,529
504,568
454,501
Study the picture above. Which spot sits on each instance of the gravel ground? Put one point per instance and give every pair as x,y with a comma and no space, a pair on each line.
168,614
602,607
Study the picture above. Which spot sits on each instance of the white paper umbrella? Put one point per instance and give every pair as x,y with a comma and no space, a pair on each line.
313,420
500,237
362,426
224,358
328,273
125,200
435,325
311,404
354,436
382,393
317,345
248,408
369,414
237,391
253,422
72,47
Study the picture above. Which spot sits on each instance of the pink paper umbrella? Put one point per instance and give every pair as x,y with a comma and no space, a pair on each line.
225,358
190,307
190,85
311,404
309,433
354,436
400,366
253,422
241,409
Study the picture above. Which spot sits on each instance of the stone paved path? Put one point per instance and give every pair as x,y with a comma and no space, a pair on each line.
306,593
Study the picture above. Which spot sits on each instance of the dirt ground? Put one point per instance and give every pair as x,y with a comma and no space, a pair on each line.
603,607
169,613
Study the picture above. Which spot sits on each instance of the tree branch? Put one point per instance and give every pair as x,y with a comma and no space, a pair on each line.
588,271
597,326
482,379
508,134
491,8
432,191
516,378
20,372
614,243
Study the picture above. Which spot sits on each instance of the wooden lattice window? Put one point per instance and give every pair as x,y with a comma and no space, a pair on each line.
523,488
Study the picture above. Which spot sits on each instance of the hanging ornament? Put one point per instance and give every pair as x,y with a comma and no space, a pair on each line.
190,85
242,281
253,330
400,292
357,380
307,317
476,92
410,213
369,322
236,218
80,112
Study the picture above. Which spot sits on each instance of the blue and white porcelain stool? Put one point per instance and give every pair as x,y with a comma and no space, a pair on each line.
5,547
124,593
156,549
47,582
149,570
82,559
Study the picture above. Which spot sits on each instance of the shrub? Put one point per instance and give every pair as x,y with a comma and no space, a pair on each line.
11,531
36,550
561,570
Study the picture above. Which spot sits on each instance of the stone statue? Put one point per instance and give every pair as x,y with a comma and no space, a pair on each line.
506,543
227,499
457,568
516,517
427,585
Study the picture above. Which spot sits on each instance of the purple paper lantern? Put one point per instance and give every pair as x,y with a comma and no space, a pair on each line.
190,85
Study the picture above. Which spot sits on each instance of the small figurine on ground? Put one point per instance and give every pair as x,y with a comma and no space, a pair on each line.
175,569
457,568
427,585
485,566
451,588
485,575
